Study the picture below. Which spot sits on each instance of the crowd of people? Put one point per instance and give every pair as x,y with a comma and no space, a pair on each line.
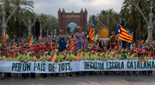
58,50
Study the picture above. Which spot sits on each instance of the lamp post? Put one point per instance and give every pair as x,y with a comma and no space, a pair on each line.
149,22
150,26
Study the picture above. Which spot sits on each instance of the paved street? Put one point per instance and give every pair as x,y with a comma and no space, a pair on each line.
84,80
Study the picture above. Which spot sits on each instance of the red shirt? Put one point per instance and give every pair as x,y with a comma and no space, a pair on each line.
45,47
93,49
151,52
39,47
33,49
42,47
12,53
27,50
36,49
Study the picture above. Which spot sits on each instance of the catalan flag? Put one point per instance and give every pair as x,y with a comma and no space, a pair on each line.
72,44
5,36
123,34
31,41
92,30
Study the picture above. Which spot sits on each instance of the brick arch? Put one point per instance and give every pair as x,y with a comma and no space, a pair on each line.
65,18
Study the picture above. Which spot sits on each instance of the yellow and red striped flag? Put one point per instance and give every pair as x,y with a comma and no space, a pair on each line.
31,41
5,36
72,44
123,34
92,30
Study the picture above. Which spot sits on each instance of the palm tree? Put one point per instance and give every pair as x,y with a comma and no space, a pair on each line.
44,19
109,18
130,12
8,7
20,11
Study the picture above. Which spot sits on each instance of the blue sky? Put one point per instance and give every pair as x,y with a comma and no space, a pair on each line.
93,6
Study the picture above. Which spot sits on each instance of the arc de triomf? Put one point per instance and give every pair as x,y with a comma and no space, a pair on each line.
65,18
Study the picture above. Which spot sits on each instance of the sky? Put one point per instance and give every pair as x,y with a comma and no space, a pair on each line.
93,6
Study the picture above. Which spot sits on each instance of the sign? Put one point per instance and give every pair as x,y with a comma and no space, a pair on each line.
74,66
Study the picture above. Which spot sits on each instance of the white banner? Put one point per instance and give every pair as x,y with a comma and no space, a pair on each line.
75,66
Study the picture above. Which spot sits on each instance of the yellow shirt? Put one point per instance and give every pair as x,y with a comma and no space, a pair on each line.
54,58
76,57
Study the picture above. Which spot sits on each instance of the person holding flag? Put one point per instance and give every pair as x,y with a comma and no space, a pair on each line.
124,35
80,38
5,36
31,41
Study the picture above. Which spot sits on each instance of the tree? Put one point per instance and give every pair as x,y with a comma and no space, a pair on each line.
139,27
108,18
20,11
75,30
129,12
15,25
68,30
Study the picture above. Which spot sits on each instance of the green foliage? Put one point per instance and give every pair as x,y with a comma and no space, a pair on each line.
24,11
104,20
68,30
75,30
129,11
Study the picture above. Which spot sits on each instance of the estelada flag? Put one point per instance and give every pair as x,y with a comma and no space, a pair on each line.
31,41
92,30
72,44
123,34
5,36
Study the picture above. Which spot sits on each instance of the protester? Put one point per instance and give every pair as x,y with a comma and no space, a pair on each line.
48,51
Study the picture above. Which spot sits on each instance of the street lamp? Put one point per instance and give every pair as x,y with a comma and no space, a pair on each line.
149,22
